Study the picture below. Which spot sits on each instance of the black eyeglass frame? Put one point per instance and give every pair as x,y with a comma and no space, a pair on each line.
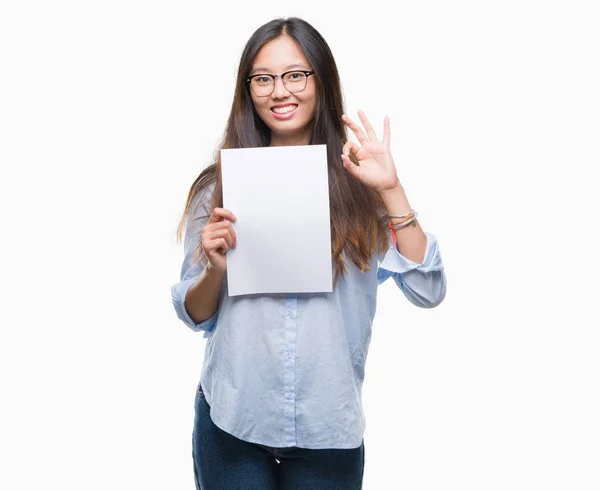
307,73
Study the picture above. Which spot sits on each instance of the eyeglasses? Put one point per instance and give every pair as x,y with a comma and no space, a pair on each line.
263,84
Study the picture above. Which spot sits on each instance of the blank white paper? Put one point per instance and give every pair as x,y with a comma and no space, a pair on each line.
280,197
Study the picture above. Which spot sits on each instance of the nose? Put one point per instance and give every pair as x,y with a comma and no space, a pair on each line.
279,90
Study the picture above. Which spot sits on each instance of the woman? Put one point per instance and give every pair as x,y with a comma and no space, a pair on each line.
279,402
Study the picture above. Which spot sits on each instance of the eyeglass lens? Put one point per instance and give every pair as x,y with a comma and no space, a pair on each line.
294,81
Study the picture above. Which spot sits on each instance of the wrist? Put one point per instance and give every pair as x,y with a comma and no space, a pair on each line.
211,271
395,201
391,189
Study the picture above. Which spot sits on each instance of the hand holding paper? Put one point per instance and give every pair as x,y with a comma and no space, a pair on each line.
218,236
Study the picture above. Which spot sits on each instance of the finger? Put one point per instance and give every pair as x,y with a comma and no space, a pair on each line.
386,131
213,246
362,137
352,147
221,225
223,246
346,148
370,131
219,214
210,234
350,166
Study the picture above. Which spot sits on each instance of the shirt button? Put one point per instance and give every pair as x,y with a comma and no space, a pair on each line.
291,315
289,396
289,355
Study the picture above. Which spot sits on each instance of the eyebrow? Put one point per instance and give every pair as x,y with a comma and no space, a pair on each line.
262,69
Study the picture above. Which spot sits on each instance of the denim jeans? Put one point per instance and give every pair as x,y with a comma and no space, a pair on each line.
224,462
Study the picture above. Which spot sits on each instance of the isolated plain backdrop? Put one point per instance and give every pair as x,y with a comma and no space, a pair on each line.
108,112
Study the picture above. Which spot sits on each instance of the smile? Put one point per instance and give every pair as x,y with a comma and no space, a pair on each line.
284,112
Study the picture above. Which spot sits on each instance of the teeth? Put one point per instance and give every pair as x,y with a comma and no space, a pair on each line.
283,110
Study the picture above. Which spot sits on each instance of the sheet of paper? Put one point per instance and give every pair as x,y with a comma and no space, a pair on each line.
280,197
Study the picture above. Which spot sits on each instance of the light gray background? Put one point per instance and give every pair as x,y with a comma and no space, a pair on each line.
108,112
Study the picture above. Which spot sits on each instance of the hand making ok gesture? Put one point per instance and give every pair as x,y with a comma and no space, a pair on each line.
375,163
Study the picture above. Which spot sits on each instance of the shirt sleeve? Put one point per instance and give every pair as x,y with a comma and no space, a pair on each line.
190,271
424,284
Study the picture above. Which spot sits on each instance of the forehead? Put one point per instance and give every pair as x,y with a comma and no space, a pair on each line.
279,55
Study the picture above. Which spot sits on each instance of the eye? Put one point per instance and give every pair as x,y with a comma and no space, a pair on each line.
262,79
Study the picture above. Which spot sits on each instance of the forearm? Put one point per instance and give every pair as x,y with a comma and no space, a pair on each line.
202,297
411,240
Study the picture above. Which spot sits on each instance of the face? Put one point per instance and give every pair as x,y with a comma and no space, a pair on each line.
292,128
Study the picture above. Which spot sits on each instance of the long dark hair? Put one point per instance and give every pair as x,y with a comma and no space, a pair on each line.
356,211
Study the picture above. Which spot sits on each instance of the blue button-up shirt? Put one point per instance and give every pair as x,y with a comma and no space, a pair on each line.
287,370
